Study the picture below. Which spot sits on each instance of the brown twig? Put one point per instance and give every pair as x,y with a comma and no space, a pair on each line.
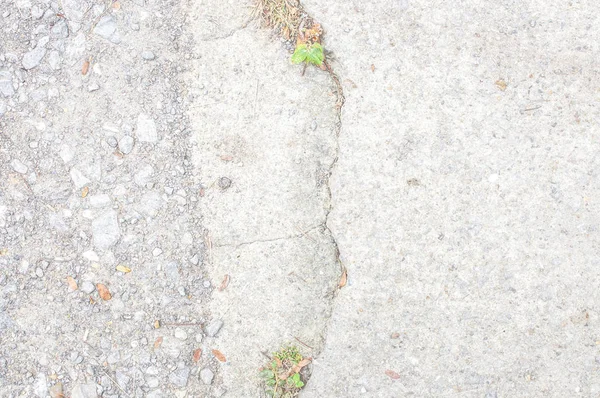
183,324
303,343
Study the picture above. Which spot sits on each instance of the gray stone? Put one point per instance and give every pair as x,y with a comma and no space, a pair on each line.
207,376
313,125
84,391
148,55
195,259
87,287
6,84
18,166
146,129
213,327
60,30
112,142
93,87
3,108
224,183
179,377
37,12
126,144
105,230
33,58
106,27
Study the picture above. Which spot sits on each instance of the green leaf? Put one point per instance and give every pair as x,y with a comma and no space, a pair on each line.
296,380
315,54
300,54
270,382
267,374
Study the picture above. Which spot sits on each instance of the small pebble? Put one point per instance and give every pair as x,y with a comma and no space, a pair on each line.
112,142
195,259
181,334
207,376
157,251
206,284
87,287
224,183
93,87
148,55
213,328
39,272
18,166
313,125
180,376
126,144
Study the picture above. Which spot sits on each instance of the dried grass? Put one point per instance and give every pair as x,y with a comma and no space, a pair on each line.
284,16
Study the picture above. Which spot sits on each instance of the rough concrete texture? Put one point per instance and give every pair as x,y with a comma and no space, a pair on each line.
266,141
461,194
466,211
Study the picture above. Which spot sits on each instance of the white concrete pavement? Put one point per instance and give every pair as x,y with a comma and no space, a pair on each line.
465,200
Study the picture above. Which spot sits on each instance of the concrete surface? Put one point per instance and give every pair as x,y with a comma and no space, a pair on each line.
265,142
466,212
461,194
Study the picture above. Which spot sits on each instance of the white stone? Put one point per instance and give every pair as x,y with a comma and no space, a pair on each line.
91,255
105,230
78,178
101,200
18,166
146,128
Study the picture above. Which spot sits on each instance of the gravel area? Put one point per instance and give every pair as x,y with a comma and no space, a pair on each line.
102,249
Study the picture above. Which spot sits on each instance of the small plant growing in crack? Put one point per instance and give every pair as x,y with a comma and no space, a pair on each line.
298,29
308,53
282,375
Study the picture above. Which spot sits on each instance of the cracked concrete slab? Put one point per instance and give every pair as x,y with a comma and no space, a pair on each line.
265,140
464,200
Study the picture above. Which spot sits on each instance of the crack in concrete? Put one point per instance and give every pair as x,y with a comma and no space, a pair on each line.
289,237
340,100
